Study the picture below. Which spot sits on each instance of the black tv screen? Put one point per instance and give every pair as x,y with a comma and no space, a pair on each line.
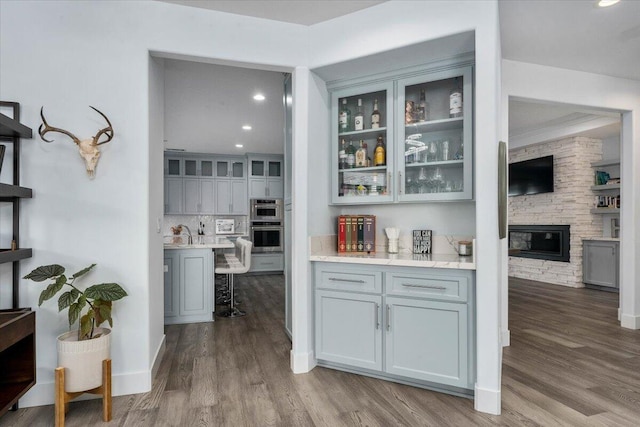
531,176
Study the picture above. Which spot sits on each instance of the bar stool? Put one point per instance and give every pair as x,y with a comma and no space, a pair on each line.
232,264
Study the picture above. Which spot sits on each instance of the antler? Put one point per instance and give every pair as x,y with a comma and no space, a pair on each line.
48,128
106,131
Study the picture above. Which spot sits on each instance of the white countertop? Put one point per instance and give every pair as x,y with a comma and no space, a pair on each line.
199,242
603,239
399,260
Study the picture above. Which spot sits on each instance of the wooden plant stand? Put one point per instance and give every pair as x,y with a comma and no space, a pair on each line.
63,398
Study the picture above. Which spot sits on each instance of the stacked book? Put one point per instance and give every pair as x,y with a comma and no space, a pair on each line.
356,233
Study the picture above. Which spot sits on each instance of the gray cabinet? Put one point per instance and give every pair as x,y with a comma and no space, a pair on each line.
600,263
198,167
404,324
348,328
267,262
429,146
173,196
198,196
231,197
231,167
266,177
188,285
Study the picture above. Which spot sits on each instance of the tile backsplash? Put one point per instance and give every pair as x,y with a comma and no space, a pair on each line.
209,221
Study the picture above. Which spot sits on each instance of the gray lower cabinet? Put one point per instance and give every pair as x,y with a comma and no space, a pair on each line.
600,263
188,285
267,262
412,325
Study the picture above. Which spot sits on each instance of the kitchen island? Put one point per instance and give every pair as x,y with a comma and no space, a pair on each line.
407,318
188,278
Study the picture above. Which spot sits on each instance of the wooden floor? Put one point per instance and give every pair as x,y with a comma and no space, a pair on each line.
569,364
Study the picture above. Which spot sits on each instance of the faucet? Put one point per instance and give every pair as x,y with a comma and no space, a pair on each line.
190,240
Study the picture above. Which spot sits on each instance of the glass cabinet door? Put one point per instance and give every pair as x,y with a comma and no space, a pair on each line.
434,135
362,147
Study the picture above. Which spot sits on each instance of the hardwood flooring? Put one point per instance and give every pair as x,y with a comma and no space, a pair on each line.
569,364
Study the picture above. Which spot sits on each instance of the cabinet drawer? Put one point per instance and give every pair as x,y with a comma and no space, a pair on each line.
349,280
266,262
441,287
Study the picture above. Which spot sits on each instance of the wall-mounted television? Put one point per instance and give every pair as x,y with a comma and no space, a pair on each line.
531,176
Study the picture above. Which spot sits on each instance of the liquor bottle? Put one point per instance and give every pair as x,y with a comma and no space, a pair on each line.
423,107
358,120
375,116
342,155
361,156
380,153
344,117
351,155
455,101
367,160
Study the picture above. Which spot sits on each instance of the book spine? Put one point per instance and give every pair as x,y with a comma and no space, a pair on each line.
369,233
354,234
342,242
347,233
360,234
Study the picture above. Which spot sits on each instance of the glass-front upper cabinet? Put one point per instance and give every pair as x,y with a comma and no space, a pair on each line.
435,136
362,164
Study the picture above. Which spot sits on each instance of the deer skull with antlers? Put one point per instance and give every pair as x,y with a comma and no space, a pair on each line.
88,148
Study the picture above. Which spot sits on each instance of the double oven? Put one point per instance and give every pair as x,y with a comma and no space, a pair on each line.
267,231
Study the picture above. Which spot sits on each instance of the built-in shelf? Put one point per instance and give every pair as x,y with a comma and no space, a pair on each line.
363,133
9,192
434,125
368,169
605,187
604,211
602,163
441,163
8,255
13,129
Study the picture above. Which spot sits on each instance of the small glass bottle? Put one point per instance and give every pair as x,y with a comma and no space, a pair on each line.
375,116
342,155
423,107
380,153
358,120
455,100
361,156
344,117
351,155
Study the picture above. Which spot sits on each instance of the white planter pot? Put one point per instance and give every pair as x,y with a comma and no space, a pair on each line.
82,360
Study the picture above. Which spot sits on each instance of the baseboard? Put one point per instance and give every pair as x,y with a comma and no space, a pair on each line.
630,321
158,358
43,392
302,362
487,401
506,338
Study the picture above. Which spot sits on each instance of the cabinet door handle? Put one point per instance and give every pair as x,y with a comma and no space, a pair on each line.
400,182
335,279
411,285
388,317
377,321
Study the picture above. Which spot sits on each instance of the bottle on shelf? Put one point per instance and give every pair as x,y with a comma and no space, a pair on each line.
460,152
380,153
351,155
342,155
423,107
368,161
455,100
358,120
361,155
375,116
344,117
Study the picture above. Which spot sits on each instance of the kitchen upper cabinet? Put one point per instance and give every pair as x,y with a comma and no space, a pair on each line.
233,168
173,196
173,166
199,196
231,197
197,167
423,118
266,177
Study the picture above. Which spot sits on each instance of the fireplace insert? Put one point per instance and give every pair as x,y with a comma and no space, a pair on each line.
548,242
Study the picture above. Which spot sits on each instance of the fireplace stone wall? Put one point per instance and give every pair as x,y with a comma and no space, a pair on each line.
569,204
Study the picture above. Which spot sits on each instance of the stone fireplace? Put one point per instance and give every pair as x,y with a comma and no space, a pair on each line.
548,242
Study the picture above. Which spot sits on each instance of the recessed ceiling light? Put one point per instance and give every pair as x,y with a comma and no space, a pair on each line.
607,3
258,97
239,145
246,127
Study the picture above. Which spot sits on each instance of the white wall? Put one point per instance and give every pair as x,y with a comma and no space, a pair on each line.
74,54
584,89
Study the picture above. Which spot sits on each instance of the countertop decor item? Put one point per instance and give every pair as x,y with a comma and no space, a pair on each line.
88,147
393,234
422,241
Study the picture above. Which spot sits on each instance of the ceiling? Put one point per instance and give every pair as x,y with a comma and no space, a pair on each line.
304,12
571,34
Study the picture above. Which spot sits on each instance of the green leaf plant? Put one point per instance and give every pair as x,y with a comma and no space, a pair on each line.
96,299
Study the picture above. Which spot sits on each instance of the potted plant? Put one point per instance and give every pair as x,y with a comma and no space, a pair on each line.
81,352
